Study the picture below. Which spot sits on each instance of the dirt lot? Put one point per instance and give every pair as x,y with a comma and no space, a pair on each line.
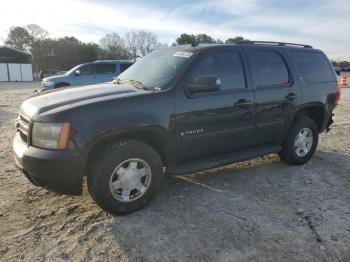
242,212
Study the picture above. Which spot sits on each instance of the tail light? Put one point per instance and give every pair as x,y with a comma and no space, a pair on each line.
337,96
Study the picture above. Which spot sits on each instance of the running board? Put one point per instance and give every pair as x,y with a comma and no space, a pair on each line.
221,160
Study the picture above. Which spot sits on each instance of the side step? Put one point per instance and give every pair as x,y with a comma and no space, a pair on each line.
221,160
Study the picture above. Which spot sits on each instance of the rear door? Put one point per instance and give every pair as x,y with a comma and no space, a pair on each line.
276,93
105,72
216,122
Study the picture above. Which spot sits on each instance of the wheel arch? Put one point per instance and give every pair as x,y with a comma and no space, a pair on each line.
315,111
61,84
156,137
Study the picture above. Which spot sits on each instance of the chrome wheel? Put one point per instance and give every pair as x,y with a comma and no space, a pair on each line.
303,142
130,180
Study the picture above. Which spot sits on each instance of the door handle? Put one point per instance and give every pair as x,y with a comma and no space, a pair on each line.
243,103
291,96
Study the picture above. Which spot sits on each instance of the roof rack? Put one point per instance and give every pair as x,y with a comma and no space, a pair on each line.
248,42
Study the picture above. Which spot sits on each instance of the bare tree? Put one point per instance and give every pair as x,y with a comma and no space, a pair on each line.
130,39
114,47
146,42
37,32
140,43
19,38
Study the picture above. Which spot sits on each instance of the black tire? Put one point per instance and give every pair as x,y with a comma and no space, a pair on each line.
288,152
104,163
59,85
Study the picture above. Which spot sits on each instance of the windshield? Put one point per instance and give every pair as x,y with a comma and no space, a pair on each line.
156,69
72,70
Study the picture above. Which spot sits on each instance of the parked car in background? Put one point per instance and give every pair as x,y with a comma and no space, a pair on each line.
88,73
49,72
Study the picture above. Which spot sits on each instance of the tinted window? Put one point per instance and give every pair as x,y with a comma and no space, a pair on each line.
105,69
269,68
123,67
226,65
314,67
87,70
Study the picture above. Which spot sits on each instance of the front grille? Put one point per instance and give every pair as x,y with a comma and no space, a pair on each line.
22,125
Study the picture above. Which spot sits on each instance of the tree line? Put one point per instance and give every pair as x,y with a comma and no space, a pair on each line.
203,38
65,52
341,64
184,39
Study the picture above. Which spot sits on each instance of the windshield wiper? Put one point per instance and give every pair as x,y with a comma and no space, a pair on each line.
131,82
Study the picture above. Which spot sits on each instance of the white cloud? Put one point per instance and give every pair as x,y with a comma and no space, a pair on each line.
325,27
234,7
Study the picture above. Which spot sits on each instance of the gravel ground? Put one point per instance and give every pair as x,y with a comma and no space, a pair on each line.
257,210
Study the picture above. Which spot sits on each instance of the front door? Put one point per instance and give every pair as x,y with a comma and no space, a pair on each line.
216,122
86,76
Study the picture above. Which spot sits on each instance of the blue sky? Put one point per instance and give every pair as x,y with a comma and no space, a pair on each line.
325,24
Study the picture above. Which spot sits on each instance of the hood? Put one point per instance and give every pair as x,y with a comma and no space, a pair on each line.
55,77
74,96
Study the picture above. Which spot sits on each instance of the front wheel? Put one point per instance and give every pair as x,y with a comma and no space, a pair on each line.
301,142
124,176
59,85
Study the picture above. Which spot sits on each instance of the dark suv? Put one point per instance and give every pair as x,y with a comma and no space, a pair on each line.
178,110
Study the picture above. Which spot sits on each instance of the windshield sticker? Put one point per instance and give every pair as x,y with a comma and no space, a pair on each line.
183,54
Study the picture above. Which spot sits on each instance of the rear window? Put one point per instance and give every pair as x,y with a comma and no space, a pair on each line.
270,68
314,67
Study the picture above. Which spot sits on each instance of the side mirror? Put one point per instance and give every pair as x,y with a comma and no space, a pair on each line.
205,83
77,72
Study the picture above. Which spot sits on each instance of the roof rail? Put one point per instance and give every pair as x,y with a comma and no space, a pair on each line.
248,42
113,61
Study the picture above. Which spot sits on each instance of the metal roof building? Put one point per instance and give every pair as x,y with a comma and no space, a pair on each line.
15,65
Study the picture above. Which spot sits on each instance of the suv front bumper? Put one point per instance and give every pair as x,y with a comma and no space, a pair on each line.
58,171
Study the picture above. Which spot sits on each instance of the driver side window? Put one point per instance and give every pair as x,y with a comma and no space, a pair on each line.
225,65
87,70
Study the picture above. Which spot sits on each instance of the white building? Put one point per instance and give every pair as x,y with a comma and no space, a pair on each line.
15,65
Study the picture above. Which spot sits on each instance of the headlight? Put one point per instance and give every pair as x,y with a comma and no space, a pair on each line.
50,135
48,83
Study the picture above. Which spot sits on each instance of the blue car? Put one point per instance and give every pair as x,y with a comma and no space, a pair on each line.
88,73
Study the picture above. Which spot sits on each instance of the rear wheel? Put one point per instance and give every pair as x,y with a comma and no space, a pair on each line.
301,142
125,176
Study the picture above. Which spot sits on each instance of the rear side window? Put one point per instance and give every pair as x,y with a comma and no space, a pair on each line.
314,67
103,69
270,68
226,65
125,66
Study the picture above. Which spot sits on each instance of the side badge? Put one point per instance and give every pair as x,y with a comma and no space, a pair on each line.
192,132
